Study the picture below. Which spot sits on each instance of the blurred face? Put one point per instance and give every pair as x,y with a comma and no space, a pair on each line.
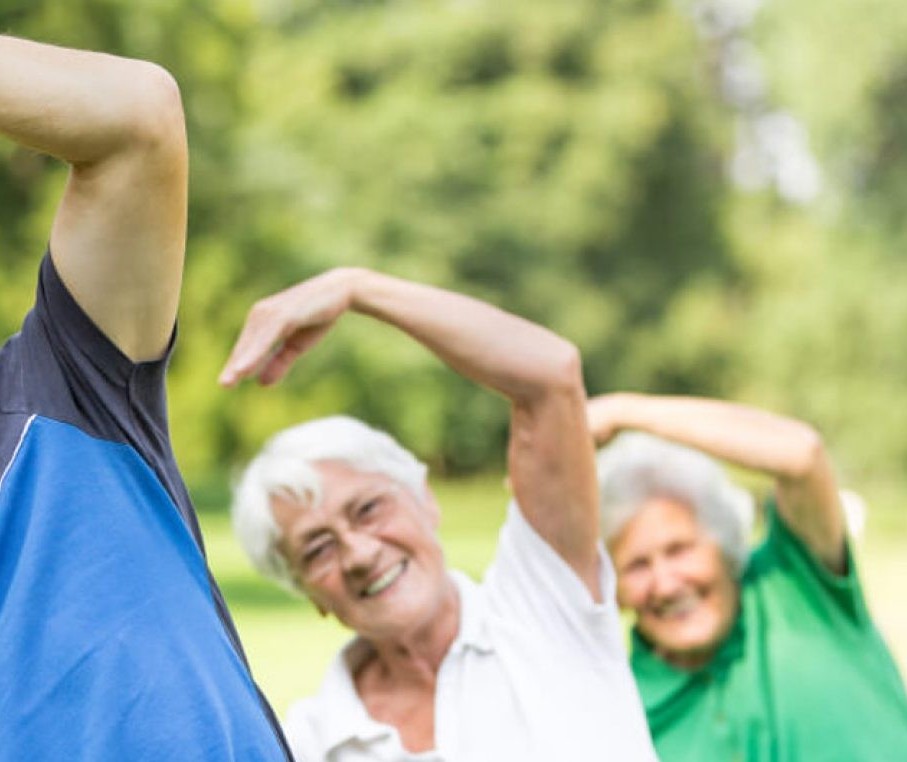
675,578
367,552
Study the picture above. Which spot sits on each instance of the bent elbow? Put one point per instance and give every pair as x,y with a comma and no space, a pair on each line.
156,121
565,369
810,454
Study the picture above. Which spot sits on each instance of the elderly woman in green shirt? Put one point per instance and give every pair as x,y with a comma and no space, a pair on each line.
762,656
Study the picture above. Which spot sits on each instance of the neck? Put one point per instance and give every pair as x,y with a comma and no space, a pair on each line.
687,660
416,655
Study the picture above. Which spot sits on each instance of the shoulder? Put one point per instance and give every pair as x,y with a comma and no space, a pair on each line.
523,555
300,715
334,715
532,593
785,575
300,727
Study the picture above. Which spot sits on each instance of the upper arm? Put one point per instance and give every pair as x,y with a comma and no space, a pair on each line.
552,469
118,237
807,497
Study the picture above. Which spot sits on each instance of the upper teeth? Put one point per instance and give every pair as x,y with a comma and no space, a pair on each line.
677,607
385,579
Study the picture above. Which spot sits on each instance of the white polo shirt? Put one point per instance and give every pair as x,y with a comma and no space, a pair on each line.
538,673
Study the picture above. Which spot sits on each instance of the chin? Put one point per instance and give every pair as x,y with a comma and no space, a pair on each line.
686,655
686,650
401,620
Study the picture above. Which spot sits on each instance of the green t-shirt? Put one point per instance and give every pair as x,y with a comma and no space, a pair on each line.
803,676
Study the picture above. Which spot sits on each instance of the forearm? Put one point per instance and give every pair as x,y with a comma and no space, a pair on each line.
513,356
743,435
790,451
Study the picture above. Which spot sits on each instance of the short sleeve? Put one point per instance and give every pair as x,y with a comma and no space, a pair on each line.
530,585
297,727
89,381
810,585
71,372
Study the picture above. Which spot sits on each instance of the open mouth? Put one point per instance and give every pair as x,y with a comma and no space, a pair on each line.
677,608
384,581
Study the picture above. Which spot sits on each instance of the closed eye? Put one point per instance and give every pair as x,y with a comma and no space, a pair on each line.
317,551
370,509
636,566
678,548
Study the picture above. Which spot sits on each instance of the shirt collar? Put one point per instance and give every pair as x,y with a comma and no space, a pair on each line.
660,682
474,630
343,716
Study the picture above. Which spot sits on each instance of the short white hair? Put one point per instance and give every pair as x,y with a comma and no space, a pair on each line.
636,467
285,467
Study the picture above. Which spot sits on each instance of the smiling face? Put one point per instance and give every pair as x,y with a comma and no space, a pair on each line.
367,552
677,581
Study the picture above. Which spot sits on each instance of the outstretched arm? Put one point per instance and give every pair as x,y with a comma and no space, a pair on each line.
790,451
550,453
118,237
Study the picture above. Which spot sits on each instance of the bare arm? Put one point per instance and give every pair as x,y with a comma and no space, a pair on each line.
118,237
550,454
790,451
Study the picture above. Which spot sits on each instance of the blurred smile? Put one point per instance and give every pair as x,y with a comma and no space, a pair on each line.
384,581
677,608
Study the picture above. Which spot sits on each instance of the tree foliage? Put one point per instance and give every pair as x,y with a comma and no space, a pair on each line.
563,160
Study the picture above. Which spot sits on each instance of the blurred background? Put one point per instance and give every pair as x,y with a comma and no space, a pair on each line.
705,195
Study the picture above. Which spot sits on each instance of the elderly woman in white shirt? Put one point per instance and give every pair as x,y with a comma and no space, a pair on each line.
529,664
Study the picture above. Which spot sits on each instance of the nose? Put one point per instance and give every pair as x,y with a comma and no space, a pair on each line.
359,553
665,581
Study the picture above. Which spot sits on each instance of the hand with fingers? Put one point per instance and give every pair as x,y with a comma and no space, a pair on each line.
285,325
603,416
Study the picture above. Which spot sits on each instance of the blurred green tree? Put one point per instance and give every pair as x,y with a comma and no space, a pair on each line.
563,160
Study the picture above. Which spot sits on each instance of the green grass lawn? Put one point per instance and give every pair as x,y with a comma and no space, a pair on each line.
290,645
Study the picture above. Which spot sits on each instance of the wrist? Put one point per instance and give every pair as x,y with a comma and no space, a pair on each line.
372,293
353,283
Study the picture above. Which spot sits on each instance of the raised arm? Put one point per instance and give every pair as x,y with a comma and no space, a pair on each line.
790,451
550,455
118,237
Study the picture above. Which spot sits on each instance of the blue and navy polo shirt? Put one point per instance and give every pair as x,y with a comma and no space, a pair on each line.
115,643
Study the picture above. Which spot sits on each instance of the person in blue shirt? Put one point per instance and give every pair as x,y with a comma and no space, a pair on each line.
115,643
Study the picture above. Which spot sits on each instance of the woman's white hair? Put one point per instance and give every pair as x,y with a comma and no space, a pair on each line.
285,467
636,467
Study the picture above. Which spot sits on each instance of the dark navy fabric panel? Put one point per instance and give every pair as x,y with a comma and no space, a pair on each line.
110,647
11,426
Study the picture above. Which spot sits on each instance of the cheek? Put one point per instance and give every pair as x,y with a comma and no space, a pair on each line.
423,518
729,595
325,593
704,566
631,591
416,530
